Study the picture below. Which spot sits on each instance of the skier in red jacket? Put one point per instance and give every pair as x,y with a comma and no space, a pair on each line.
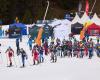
10,54
35,55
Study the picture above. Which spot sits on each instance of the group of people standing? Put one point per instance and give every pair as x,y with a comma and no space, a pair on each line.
78,49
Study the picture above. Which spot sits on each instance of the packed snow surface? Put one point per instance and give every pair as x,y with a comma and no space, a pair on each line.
64,69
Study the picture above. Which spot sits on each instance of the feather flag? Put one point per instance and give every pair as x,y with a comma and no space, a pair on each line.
82,35
38,39
86,25
87,7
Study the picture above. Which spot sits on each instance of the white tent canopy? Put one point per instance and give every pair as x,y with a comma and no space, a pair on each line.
85,18
76,19
96,19
62,28
62,31
59,22
65,22
55,23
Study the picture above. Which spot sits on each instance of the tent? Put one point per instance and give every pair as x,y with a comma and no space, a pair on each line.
62,31
76,19
55,23
96,19
17,29
76,28
65,22
33,31
93,30
85,18
47,31
59,22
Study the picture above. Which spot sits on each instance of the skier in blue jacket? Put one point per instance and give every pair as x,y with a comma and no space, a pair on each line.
41,54
17,45
30,43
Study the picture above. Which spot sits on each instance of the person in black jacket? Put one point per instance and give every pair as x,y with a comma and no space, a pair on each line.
23,56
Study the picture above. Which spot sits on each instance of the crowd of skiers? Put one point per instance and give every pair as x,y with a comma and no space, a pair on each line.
78,49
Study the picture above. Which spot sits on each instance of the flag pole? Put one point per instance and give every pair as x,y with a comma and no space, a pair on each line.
93,6
38,39
46,12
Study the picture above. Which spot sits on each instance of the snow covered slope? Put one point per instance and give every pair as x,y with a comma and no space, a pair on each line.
65,68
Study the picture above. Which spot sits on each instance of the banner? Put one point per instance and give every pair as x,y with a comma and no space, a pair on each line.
38,39
82,35
87,7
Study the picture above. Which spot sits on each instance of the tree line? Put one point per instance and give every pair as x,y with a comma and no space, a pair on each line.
28,11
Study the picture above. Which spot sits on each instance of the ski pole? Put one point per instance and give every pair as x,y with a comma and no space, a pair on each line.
14,61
